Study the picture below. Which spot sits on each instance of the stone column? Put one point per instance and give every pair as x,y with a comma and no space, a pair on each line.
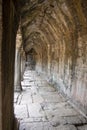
22,66
17,78
0,65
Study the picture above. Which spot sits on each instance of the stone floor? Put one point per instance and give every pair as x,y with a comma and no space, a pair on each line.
40,107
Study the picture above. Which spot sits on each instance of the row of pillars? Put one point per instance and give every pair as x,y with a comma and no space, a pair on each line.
22,61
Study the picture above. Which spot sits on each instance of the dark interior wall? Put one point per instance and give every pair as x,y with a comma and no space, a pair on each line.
10,25
0,64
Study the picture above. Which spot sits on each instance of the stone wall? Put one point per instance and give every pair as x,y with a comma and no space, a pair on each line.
69,72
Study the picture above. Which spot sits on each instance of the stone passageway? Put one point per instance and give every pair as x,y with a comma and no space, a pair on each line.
41,107
49,36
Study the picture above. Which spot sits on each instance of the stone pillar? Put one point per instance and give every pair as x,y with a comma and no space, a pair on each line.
17,78
0,65
22,67
10,25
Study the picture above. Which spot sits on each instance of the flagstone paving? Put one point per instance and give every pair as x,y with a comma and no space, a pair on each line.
41,107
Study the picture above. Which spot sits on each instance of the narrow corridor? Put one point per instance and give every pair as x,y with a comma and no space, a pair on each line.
41,107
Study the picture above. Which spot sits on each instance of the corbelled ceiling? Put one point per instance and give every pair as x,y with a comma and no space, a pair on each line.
44,22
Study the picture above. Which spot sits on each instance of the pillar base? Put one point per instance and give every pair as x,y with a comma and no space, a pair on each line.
17,88
16,124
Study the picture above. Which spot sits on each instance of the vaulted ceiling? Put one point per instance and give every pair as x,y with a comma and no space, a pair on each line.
46,22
